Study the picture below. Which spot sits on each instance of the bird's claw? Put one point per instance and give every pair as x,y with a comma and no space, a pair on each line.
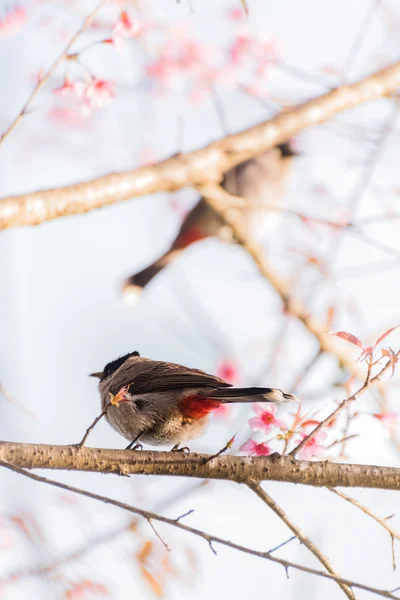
177,449
135,447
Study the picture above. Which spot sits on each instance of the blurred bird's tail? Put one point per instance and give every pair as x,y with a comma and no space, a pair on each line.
133,286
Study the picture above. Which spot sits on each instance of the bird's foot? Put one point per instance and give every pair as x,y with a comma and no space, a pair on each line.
177,449
135,447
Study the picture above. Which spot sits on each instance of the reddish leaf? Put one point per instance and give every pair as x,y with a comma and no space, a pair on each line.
310,422
392,358
366,353
153,583
231,442
348,337
145,552
379,340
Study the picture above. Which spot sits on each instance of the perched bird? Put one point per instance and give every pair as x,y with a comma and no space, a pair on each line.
261,180
167,403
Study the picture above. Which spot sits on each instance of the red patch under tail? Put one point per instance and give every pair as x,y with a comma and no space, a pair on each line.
194,234
196,407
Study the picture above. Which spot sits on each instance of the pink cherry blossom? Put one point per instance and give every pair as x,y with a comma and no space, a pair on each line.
98,93
313,447
126,27
265,419
12,22
252,448
70,87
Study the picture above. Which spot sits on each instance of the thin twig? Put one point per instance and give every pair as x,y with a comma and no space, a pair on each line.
358,40
93,425
228,445
41,82
164,543
197,532
294,537
381,520
302,537
369,382
7,396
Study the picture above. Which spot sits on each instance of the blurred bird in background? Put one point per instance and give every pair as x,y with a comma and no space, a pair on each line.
261,181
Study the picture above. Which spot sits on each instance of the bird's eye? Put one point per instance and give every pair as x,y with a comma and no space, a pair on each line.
140,403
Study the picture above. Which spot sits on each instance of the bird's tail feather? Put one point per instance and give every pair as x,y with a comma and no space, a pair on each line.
252,394
136,283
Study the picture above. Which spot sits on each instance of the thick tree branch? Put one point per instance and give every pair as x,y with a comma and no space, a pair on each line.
210,539
230,468
302,537
198,167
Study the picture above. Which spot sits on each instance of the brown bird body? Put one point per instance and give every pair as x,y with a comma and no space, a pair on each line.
261,181
168,403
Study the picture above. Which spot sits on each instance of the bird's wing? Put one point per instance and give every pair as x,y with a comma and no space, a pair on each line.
160,376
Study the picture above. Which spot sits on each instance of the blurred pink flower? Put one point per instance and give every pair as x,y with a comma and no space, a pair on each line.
67,116
99,93
68,87
228,371
265,419
388,420
252,448
223,412
126,27
12,22
313,447
236,14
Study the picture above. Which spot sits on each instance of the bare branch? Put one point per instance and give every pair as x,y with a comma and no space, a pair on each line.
302,537
381,520
198,167
225,468
206,536
92,426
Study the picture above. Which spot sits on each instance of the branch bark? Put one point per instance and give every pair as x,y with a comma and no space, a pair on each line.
198,167
230,468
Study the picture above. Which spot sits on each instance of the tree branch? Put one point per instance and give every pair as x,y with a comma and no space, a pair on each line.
302,537
228,468
149,516
198,167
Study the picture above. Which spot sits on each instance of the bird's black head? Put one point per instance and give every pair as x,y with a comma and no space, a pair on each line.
112,366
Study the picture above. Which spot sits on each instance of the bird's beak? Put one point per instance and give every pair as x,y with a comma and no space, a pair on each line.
99,375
